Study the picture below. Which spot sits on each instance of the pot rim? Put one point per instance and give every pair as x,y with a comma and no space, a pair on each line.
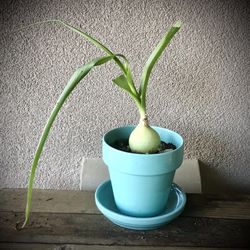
143,155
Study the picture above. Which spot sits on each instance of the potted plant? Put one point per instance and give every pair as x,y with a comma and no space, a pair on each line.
141,159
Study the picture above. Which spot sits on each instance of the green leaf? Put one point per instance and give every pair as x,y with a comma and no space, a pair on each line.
94,41
78,75
130,79
122,82
153,59
128,75
91,39
97,43
124,67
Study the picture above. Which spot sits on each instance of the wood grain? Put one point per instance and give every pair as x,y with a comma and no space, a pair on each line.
55,201
70,220
92,229
58,201
218,206
32,246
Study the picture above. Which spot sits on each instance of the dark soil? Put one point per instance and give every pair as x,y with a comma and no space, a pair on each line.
124,146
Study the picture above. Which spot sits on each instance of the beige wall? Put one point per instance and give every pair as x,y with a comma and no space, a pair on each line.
199,88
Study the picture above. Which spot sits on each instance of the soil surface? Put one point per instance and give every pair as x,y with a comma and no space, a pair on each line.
124,146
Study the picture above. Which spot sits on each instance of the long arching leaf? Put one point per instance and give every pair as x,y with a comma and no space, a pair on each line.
124,67
78,75
153,59
91,39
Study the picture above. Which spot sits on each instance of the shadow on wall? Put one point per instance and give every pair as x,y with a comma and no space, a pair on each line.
211,180
215,182
219,167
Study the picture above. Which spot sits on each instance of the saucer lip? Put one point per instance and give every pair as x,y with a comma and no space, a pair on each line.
142,222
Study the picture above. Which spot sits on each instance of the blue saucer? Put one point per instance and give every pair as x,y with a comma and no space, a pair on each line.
105,202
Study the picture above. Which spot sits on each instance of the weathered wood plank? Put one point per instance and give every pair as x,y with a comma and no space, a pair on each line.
55,201
27,246
58,201
218,206
92,229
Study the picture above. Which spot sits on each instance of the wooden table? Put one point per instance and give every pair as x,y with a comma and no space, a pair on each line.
70,220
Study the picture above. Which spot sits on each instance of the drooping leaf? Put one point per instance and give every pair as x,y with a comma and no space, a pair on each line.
88,37
78,75
153,59
91,39
124,67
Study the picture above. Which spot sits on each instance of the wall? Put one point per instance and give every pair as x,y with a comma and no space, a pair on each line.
200,87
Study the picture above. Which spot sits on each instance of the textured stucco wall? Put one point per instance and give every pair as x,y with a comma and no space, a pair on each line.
199,88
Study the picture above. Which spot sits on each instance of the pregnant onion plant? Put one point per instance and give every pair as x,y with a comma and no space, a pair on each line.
143,139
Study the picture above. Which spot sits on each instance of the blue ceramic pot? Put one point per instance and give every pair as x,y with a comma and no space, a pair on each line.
141,182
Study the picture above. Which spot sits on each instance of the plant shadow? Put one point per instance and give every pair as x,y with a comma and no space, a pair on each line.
220,165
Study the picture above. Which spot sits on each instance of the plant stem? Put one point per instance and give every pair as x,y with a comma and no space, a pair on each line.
138,104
